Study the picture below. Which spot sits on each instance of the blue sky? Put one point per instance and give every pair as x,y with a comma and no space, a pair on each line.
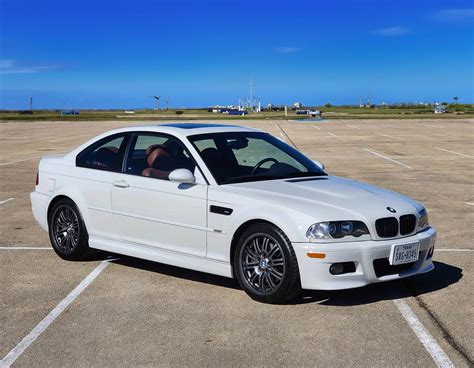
113,54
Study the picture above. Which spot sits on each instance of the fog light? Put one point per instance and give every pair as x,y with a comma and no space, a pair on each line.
336,268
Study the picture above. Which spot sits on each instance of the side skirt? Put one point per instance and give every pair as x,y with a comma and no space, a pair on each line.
163,256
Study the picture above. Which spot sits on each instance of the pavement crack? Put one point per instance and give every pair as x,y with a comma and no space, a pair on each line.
287,136
451,340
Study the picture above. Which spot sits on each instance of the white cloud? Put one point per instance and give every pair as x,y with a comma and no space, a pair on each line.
8,66
392,31
287,50
454,14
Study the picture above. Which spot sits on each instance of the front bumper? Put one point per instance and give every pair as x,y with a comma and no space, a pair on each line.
315,273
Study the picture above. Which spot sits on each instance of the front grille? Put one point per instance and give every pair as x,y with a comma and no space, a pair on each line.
382,267
387,227
407,224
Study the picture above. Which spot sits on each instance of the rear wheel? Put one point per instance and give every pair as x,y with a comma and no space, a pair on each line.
265,264
67,232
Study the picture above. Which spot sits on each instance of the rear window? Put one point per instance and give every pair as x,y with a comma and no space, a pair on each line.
106,154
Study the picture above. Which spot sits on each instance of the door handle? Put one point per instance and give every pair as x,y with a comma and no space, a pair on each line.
121,184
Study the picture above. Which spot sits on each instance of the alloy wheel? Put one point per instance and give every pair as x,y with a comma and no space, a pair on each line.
263,263
66,229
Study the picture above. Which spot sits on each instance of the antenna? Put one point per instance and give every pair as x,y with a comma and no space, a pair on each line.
167,100
250,95
31,103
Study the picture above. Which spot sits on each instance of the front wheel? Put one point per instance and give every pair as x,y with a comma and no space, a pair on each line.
67,231
266,266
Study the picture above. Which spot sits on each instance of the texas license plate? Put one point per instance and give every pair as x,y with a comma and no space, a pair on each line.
404,253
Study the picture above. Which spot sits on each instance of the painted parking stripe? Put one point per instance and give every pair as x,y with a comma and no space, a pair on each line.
353,126
453,152
448,136
26,248
432,347
387,158
26,159
469,203
454,250
315,127
32,158
13,355
390,136
7,200
336,136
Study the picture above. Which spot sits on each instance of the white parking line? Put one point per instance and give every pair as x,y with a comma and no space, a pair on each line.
390,136
454,250
431,126
32,158
26,248
63,138
7,200
14,162
453,152
388,158
437,353
469,203
13,355
353,126
336,136
315,127
448,136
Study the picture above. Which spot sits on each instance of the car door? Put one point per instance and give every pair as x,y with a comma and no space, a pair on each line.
96,168
152,211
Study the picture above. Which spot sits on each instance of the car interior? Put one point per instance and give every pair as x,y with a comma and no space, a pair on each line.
231,158
158,160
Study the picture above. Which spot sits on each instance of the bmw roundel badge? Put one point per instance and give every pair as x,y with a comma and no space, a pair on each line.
393,210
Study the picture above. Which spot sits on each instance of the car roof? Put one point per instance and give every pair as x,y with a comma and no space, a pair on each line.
179,130
185,129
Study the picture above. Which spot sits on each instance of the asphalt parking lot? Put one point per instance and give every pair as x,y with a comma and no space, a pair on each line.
134,312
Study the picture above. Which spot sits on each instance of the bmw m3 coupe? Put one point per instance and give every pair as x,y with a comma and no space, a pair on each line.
231,201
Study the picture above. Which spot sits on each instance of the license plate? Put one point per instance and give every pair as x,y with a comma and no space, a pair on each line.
404,253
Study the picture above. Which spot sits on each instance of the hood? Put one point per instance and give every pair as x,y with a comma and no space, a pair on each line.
330,198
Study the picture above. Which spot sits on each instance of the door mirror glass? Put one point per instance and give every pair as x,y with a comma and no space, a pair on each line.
319,164
182,176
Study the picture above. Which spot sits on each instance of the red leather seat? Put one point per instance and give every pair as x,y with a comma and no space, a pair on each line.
160,163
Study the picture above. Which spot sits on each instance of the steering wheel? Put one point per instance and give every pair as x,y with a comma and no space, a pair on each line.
261,162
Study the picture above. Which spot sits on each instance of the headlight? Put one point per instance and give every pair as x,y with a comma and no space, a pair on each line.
423,221
336,229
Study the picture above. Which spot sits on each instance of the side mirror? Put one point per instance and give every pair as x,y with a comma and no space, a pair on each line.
182,176
319,164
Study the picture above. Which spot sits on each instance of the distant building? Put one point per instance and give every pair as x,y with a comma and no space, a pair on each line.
298,105
69,112
440,109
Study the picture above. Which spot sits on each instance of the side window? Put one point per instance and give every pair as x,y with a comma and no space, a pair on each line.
107,154
156,155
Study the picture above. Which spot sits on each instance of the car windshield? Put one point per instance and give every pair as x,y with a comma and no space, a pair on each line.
238,157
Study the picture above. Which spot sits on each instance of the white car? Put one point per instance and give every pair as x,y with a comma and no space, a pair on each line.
230,201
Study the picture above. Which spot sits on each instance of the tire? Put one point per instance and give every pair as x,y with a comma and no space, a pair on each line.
67,231
265,265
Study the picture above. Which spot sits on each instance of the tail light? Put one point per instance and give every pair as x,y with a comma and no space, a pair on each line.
37,178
